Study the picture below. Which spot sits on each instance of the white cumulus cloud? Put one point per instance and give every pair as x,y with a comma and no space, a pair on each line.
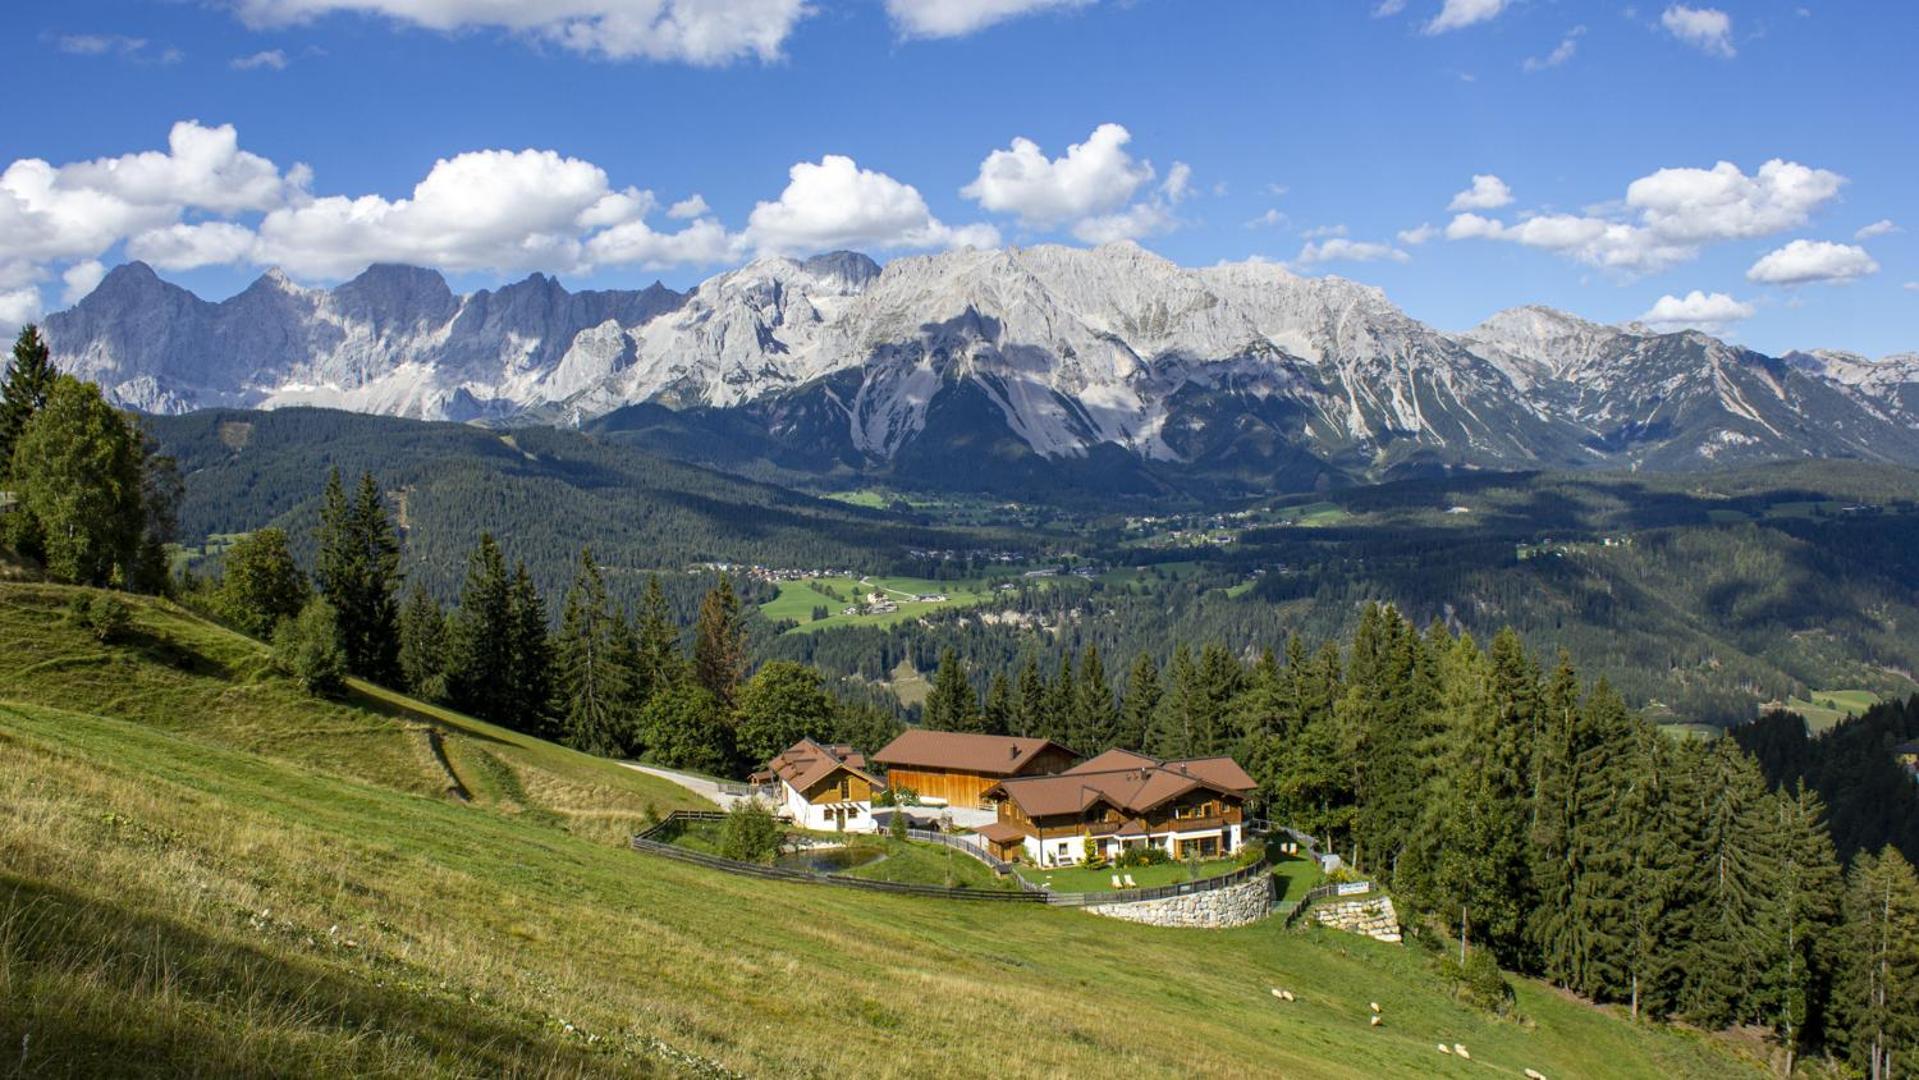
1487,193
956,18
1416,236
836,204
1341,249
1669,216
1803,262
1093,177
1697,310
1458,14
17,307
1882,227
704,32
1706,29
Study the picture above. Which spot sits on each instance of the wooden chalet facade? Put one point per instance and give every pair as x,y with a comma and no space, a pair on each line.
821,787
957,769
1191,808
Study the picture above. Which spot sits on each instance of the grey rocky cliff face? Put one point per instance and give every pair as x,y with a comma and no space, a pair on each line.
1068,348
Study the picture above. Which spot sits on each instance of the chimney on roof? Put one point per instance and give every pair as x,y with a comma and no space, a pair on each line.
1012,750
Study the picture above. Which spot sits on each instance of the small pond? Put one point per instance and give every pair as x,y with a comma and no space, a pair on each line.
831,860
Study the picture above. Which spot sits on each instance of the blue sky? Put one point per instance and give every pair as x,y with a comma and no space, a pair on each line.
1320,133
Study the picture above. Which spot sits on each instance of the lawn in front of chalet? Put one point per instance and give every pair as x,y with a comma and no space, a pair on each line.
1079,879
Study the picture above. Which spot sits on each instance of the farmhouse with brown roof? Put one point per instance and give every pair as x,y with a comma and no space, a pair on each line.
956,769
822,787
1121,799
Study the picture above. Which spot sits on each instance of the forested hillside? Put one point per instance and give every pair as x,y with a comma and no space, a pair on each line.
545,493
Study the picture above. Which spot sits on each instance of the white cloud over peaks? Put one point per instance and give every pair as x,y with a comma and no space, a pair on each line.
1142,219
955,18
1458,14
1340,249
18,306
837,204
80,279
188,247
706,32
1669,216
1803,262
1097,176
1711,312
1487,193
1706,29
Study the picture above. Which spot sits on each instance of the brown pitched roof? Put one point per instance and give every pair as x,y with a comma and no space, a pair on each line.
1131,788
986,755
1114,759
806,763
999,834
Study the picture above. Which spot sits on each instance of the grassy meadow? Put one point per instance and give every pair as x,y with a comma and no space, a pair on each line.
797,599
204,872
1827,707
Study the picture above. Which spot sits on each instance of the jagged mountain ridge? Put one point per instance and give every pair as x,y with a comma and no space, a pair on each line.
1021,356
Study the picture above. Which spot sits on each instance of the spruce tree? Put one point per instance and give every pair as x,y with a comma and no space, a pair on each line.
658,661
719,644
1733,875
1877,999
358,571
1175,732
29,380
951,705
1062,697
1141,703
1001,709
592,690
423,647
1801,917
1030,707
1095,713
1564,737
480,668
532,687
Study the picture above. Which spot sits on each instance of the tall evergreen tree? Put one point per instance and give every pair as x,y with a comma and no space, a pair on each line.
951,705
29,381
1031,698
480,669
532,686
358,571
658,661
1733,873
1564,739
1141,703
423,647
592,681
1878,994
1001,709
1801,917
719,644
1176,729
1095,713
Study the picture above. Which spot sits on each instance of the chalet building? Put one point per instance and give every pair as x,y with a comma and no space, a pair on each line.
957,769
822,787
1192,808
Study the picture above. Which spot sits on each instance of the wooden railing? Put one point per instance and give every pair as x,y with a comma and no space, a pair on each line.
961,843
1160,892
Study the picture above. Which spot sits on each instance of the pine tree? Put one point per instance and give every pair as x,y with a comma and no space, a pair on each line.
423,647
1141,703
29,381
1001,709
1563,738
1095,713
719,644
1801,917
1733,874
1056,716
1877,997
532,688
480,668
592,687
951,705
1030,707
656,652
1174,733
358,571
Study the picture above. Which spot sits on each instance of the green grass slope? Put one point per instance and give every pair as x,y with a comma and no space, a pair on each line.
202,872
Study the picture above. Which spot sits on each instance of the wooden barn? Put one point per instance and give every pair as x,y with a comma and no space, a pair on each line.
957,769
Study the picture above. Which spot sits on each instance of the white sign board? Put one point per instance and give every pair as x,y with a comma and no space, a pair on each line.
1354,888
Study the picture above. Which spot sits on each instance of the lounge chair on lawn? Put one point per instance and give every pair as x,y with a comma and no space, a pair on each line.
1130,883
1116,883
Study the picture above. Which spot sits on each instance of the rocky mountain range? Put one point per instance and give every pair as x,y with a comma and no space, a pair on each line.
994,368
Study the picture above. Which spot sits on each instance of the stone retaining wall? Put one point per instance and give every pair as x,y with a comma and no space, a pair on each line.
1373,916
1235,905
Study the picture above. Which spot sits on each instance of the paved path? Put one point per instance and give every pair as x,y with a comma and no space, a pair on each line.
698,785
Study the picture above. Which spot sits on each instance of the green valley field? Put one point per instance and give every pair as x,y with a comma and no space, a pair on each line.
204,872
